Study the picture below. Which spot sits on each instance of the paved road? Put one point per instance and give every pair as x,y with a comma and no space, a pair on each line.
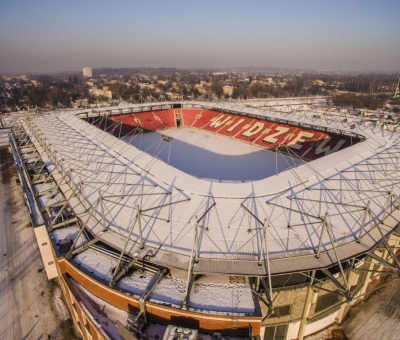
27,300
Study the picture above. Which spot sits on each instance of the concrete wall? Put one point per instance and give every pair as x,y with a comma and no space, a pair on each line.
45,248
320,324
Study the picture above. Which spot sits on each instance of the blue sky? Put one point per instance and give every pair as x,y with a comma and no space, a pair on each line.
60,35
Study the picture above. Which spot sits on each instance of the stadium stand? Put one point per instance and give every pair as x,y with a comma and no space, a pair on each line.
190,116
203,118
148,120
305,143
167,117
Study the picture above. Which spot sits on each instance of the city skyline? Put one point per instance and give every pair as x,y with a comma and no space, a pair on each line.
45,36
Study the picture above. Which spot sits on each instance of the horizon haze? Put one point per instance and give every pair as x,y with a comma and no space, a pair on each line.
48,36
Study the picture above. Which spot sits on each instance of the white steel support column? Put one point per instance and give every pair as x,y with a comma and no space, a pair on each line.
189,275
267,255
306,307
138,218
363,222
321,235
263,243
328,229
102,211
63,206
264,250
117,269
387,204
196,238
69,254
82,193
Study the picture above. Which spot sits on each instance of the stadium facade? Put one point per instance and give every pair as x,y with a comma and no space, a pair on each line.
279,258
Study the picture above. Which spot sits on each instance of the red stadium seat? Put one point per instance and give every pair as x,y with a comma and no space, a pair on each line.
305,143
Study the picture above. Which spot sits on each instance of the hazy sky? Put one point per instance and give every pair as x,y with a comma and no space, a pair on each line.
40,35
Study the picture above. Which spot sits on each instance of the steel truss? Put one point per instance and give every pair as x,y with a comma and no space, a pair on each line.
368,179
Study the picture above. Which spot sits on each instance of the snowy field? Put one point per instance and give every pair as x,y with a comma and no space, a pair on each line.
6,120
211,157
31,306
4,137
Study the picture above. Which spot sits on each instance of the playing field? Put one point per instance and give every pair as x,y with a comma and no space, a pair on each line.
212,157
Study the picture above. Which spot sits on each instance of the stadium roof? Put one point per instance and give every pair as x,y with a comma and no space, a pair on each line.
308,217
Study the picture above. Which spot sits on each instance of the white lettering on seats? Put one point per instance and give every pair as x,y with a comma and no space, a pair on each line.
266,131
219,121
326,148
256,128
299,139
288,136
240,121
281,131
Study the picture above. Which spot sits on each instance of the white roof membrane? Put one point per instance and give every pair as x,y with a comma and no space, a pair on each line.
294,204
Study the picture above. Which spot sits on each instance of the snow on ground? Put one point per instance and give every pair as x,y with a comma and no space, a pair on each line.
70,232
59,304
3,137
212,157
31,306
99,264
8,120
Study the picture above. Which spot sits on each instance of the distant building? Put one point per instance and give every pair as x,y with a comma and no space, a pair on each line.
228,89
87,72
100,92
80,103
200,88
204,83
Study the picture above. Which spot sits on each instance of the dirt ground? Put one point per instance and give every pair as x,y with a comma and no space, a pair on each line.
378,317
31,306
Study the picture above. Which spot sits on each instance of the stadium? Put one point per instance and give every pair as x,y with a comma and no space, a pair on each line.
187,220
